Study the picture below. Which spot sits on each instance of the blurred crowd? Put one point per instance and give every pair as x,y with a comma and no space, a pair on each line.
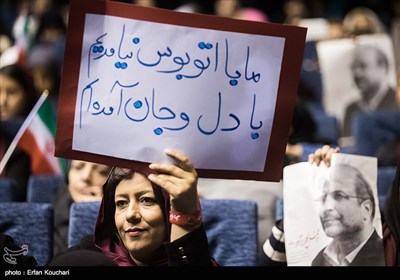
33,32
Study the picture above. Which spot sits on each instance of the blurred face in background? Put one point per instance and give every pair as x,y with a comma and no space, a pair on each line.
145,3
225,8
85,180
369,72
12,98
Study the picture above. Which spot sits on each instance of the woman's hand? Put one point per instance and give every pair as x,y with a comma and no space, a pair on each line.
179,181
323,154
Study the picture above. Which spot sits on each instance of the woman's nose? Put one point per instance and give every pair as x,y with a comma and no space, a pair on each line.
3,98
87,174
133,213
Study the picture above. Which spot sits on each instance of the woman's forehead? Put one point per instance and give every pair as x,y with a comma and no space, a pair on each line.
138,183
82,162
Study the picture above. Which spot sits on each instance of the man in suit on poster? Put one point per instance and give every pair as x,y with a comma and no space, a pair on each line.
370,68
347,213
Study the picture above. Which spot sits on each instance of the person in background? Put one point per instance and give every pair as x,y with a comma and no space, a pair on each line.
295,10
150,219
17,98
228,9
361,21
45,57
146,3
84,181
303,128
335,29
17,92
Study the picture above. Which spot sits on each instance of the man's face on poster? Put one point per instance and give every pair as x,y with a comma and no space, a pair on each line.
341,212
368,73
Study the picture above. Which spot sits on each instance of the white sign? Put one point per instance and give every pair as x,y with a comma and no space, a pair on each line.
154,86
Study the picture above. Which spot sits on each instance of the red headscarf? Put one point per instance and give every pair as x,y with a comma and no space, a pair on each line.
106,235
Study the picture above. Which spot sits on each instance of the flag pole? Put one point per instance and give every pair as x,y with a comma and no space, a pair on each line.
22,129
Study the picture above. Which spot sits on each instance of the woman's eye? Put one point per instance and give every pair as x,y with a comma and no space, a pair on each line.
121,203
104,173
11,91
148,201
77,166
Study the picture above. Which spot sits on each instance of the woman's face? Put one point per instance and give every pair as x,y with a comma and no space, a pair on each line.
12,98
85,180
139,219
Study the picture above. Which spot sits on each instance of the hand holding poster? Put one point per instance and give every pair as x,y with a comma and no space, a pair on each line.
332,215
139,80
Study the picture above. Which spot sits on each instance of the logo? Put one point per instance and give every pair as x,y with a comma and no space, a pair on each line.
10,255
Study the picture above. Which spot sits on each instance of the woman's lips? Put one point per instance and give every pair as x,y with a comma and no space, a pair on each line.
134,232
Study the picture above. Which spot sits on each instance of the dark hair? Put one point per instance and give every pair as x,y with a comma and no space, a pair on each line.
23,78
50,19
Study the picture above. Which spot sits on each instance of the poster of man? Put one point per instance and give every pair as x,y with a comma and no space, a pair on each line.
358,75
332,217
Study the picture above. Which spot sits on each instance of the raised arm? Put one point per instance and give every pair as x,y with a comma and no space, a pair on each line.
181,183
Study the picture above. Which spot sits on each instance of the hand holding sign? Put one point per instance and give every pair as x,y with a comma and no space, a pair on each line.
198,87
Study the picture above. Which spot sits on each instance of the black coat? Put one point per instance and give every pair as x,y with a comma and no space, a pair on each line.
371,254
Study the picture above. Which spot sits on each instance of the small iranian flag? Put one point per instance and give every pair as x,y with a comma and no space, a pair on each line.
36,138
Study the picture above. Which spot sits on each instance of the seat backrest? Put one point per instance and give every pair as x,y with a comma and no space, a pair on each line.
327,130
43,188
82,220
231,227
232,230
7,189
310,73
279,209
29,224
386,177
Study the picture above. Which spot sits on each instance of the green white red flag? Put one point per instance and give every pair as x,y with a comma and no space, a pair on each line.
36,137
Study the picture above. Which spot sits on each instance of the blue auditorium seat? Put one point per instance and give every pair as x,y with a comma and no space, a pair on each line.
231,227
29,224
7,189
327,130
44,188
279,209
385,180
82,220
310,73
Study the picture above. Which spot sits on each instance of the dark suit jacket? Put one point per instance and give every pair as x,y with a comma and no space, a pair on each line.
388,102
371,254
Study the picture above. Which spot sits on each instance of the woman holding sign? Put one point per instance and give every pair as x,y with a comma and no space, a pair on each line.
150,219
